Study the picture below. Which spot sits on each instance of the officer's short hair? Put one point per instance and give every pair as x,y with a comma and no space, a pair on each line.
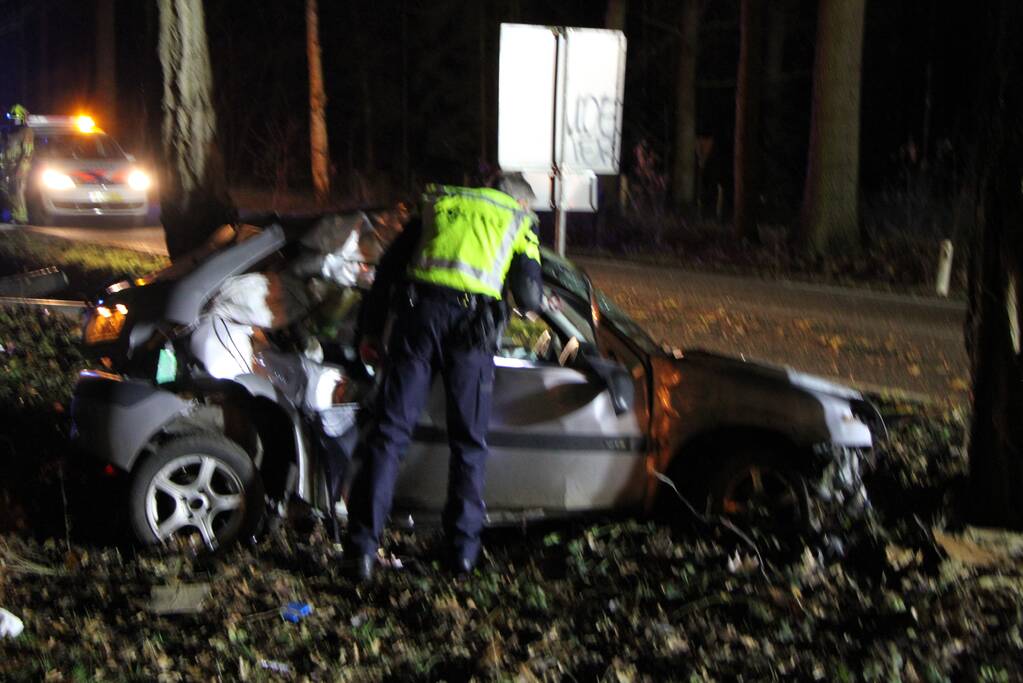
515,184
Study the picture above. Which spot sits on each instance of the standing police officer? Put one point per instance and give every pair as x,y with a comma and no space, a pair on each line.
448,273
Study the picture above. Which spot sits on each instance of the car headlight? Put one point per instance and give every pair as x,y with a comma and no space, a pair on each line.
139,180
105,323
55,180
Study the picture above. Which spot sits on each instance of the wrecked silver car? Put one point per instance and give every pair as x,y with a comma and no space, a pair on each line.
200,405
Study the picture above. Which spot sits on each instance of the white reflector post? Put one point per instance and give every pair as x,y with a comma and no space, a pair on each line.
525,102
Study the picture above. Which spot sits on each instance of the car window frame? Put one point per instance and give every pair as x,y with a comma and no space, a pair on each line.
608,326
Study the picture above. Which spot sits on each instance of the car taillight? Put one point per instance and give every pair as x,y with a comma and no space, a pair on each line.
105,323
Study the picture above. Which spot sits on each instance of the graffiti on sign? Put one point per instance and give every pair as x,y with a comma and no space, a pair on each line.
591,131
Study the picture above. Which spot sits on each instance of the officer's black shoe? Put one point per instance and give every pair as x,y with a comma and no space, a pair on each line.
361,568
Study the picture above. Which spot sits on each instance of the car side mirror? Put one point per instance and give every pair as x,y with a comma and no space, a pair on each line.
616,378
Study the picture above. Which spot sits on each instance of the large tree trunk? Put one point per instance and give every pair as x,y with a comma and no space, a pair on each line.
193,195
319,151
747,119
106,62
996,279
683,177
829,220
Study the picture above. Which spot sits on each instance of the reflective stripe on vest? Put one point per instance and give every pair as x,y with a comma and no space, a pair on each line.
493,277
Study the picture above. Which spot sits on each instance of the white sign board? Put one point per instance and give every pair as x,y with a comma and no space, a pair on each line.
589,134
525,100
560,99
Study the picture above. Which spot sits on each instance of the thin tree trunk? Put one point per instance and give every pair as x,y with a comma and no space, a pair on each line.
106,61
319,151
683,177
747,120
829,214
194,200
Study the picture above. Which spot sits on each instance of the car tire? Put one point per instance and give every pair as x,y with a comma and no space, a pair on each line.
759,489
201,485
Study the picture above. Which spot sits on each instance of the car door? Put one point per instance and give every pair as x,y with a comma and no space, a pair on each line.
556,443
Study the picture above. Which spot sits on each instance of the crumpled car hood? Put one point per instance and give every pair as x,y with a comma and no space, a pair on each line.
738,366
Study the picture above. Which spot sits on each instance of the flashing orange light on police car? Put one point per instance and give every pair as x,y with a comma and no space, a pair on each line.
85,124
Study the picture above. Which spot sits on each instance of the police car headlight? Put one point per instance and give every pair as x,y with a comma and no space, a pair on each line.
55,180
139,180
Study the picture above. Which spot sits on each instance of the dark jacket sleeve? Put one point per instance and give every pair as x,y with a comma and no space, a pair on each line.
526,282
390,273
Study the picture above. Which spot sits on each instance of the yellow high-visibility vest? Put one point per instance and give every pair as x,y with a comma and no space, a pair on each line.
469,238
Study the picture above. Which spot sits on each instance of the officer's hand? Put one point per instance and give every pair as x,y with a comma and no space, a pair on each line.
550,302
370,351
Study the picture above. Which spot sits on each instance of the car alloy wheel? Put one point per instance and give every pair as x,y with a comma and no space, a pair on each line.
759,490
203,485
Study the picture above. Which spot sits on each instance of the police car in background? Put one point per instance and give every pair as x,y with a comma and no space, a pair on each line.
61,168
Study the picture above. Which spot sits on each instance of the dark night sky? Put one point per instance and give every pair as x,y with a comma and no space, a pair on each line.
258,54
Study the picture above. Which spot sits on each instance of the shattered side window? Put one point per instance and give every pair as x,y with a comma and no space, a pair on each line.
564,273
572,279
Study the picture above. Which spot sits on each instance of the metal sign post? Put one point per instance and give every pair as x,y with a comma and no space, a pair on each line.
560,214
560,113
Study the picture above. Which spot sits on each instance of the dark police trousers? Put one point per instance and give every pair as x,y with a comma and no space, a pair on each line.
425,338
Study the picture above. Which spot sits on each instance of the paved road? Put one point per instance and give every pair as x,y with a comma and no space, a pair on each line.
872,340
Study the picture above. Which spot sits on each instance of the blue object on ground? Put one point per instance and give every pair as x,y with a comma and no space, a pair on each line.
296,611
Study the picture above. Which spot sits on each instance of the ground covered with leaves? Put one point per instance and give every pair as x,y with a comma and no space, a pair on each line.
913,599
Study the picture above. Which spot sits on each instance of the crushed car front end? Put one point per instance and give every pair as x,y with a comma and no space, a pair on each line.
708,406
